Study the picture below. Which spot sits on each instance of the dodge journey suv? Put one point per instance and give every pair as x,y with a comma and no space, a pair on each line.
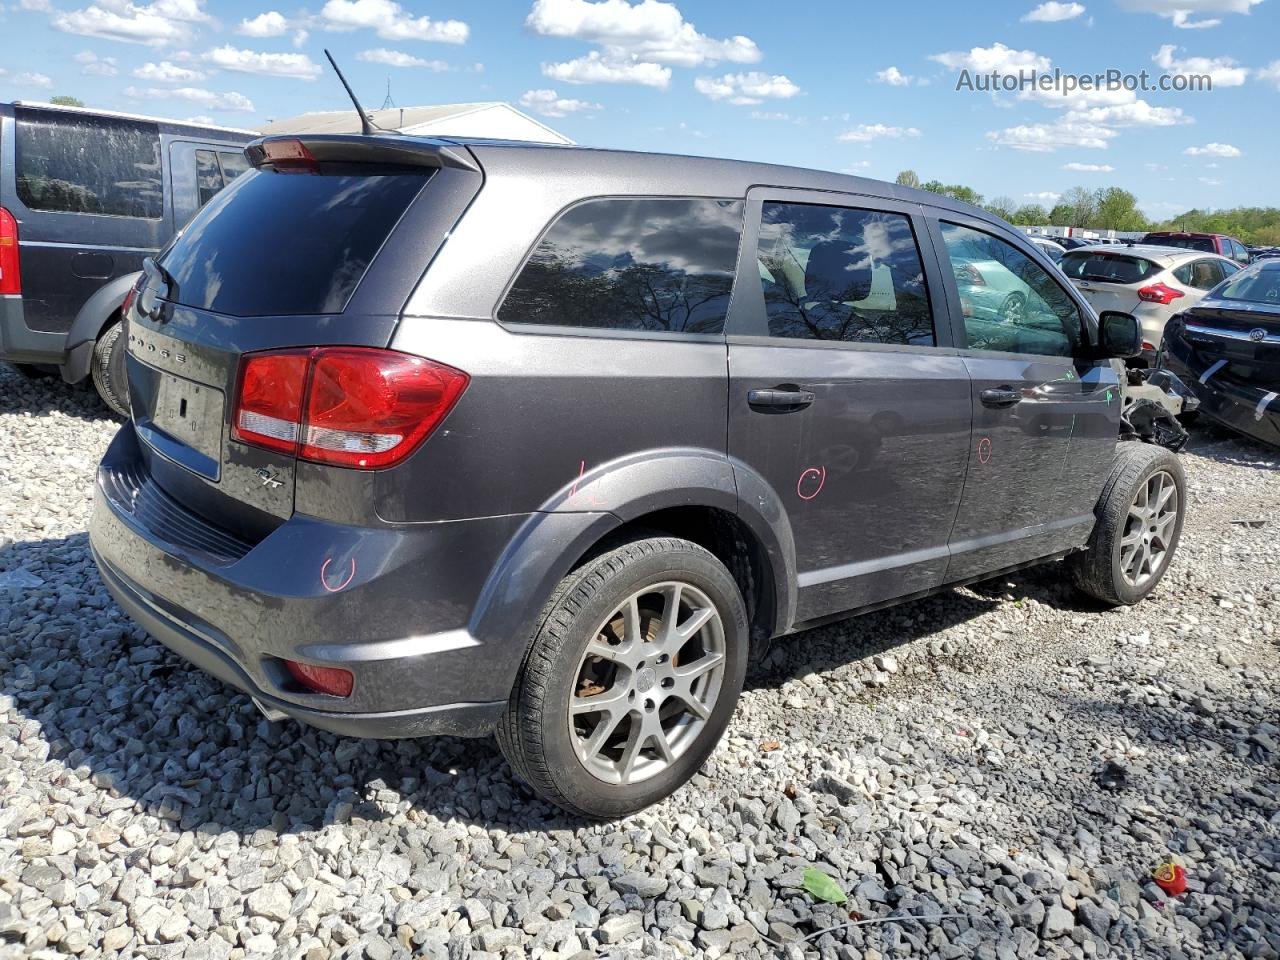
445,437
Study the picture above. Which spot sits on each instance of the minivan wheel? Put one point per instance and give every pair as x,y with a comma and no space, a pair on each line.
630,680
108,369
1139,522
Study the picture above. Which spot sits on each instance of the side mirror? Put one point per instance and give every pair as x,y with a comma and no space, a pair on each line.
1119,335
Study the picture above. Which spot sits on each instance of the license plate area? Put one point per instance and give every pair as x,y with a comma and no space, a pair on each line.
183,422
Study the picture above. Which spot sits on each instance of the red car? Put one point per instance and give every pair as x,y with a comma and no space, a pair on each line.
1218,243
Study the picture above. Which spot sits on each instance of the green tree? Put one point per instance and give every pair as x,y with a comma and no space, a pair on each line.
908,178
1060,215
1003,207
955,191
64,101
1117,209
1031,215
1083,204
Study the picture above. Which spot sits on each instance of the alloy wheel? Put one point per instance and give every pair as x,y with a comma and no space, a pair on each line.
647,683
1153,517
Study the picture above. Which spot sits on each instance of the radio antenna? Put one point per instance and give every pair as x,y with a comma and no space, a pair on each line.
366,125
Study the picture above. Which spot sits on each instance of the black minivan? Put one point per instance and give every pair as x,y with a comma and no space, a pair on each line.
85,196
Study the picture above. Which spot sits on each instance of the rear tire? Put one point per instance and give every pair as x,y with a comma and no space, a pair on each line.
1139,523
108,369
664,702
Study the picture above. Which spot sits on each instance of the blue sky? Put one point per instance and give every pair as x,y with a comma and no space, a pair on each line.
863,88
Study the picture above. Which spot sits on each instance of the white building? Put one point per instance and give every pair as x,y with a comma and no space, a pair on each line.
495,120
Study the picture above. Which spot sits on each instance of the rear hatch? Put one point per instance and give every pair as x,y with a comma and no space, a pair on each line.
1246,337
1109,280
320,245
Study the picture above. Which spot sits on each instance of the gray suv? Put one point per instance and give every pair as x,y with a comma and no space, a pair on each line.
436,437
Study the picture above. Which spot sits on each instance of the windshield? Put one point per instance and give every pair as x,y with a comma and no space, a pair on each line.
1185,243
1106,267
1254,286
288,243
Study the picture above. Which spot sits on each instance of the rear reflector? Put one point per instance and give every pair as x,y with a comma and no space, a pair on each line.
334,681
1159,293
10,277
355,407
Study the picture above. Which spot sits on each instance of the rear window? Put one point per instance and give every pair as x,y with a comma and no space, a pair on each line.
79,163
286,243
1259,285
639,263
1106,267
1185,243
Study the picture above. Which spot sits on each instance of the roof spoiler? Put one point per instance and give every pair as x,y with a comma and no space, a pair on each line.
294,151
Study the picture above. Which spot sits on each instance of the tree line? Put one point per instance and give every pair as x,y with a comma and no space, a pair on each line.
1111,208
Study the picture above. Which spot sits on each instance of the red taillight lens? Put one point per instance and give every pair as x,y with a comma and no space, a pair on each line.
132,295
10,277
331,680
1159,293
290,156
348,406
268,411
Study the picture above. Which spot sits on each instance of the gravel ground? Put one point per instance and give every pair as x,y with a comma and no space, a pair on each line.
1006,753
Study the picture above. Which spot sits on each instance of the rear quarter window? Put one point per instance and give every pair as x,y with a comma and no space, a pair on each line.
636,263
80,163
1106,267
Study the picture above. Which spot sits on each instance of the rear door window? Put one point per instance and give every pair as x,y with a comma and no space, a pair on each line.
80,163
1106,267
283,243
1200,274
658,264
837,273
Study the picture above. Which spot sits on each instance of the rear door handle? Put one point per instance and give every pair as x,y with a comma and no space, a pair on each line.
788,397
999,397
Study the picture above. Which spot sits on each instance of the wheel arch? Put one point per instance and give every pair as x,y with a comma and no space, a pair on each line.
95,316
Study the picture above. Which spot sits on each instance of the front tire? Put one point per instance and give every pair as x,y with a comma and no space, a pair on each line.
630,680
1139,523
108,369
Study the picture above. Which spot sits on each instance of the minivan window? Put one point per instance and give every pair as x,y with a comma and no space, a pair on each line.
283,243
1106,267
836,273
632,263
1009,302
79,163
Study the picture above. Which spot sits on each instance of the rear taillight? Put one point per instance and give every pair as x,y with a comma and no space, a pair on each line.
331,680
1159,293
347,406
10,277
1148,345
289,156
132,295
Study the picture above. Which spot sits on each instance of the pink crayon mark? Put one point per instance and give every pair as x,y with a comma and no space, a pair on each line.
984,450
582,468
811,482
324,576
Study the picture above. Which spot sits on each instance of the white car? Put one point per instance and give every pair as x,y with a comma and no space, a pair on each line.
1149,283
1053,251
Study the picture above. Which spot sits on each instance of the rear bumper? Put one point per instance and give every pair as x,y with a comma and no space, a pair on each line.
20,344
391,605
1243,407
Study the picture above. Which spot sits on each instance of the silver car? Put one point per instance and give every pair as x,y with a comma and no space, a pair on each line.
1148,283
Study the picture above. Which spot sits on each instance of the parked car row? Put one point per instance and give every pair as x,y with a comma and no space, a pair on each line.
85,196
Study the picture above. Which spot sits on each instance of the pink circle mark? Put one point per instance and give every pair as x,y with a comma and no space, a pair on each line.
324,576
984,450
806,479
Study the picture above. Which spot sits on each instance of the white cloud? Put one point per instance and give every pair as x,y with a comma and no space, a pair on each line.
1047,137
166,72
390,21
95,65
1181,12
397,58
996,58
894,77
866,132
208,99
157,24
269,24
746,88
650,31
207,120
551,104
1214,150
593,68
1054,12
1088,167
35,6
1044,196
1271,73
1210,181
296,65
1139,113
1222,70
32,79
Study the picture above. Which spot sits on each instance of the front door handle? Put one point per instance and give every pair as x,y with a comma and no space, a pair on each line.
999,397
791,398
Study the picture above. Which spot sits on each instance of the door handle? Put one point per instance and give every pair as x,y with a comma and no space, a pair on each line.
791,398
999,397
